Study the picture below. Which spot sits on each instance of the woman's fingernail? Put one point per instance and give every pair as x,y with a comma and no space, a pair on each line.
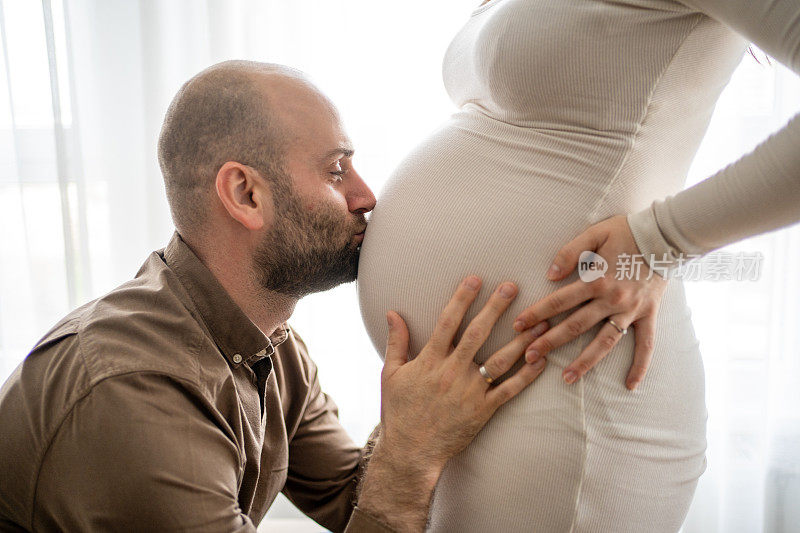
507,290
519,325
570,377
539,363
532,355
633,384
472,282
553,271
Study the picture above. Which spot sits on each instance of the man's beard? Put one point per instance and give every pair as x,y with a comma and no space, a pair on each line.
305,252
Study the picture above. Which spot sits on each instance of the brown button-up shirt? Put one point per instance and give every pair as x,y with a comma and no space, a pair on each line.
161,406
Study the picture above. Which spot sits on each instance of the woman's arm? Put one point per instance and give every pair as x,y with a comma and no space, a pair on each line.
759,192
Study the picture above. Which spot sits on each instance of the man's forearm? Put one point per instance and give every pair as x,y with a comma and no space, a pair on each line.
397,489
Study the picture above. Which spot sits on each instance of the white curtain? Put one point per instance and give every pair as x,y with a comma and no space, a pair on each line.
749,336
84,87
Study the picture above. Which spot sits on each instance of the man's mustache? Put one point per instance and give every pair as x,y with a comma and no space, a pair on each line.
362,223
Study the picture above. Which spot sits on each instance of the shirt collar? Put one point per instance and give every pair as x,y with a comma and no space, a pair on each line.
233,332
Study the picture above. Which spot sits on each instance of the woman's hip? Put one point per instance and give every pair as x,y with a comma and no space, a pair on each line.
591,456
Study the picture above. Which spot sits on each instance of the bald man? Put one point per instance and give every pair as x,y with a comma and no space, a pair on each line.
182,400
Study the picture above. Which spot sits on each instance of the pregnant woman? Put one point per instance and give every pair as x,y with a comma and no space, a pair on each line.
571,112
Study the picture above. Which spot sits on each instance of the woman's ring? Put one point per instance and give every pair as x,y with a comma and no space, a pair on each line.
487,377
620,329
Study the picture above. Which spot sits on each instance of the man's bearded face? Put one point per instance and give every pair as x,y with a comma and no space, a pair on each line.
307,251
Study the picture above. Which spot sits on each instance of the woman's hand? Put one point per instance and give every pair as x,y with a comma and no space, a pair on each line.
630,301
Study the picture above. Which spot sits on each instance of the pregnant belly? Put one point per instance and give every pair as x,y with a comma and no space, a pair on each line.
587,457
470,202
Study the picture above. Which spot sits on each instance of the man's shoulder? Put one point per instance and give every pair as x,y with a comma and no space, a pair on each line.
142,327
145,324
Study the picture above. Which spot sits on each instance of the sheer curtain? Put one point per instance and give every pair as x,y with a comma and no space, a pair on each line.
84,87
749,334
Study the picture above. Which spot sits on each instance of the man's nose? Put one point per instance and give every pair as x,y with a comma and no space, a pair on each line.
360,198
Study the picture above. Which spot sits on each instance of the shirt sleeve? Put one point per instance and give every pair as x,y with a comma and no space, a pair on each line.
361,522
325,465
140,452
758,193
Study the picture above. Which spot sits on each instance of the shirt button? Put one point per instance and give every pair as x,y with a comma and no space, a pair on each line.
237,358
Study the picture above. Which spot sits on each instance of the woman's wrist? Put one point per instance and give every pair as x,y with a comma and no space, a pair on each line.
655,250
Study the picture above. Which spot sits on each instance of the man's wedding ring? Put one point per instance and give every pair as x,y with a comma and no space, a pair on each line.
487,377
620,329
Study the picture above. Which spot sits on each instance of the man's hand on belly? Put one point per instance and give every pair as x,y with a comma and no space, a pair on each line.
433,406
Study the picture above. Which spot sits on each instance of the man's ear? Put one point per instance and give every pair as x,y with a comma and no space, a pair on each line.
241,191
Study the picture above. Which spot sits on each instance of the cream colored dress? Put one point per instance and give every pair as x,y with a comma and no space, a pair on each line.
571,111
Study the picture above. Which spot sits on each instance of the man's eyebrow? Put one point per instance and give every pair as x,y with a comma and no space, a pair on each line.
342,150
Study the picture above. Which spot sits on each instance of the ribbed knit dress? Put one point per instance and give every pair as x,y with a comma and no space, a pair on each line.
569,112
